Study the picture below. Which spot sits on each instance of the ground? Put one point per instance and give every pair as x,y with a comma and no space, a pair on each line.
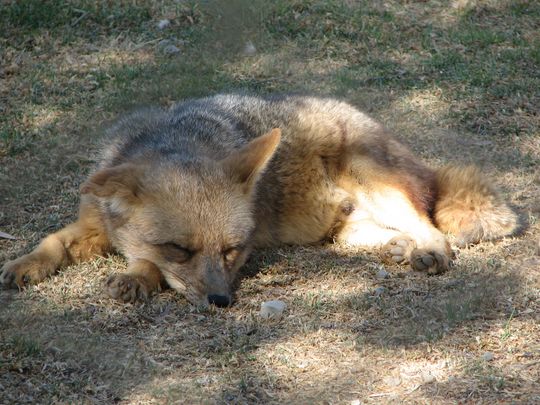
457,80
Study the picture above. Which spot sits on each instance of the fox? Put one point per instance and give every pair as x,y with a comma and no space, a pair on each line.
186,193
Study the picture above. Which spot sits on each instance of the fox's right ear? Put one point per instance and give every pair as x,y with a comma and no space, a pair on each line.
119,181
247,163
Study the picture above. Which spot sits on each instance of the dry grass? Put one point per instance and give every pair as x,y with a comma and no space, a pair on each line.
456,80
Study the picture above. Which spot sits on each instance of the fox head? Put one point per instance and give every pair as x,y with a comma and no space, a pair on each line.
194,221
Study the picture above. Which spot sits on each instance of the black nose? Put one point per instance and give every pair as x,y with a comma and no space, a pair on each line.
219,300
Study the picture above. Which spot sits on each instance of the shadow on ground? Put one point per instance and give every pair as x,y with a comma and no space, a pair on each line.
165,349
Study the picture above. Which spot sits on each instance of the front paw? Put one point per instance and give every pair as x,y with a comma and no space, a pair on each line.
25,270
127,288
429,261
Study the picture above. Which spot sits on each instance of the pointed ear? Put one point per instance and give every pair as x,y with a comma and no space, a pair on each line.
247,164
118,181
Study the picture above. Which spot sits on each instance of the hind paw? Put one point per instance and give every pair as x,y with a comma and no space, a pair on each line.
403,249
399,249
429,261
127,288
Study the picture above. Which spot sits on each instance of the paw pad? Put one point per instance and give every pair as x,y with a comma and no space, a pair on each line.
431,262
399,248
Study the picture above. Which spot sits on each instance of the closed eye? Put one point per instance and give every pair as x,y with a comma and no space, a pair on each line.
175,253
230,254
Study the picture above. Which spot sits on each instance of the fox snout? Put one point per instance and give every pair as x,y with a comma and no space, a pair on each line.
218,290
219,300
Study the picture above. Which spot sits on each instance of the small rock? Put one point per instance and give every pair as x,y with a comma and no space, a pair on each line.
171,50
356,402
427,377
205,380
379,291
12,69
392,381
382,274
90,86
162,24
91,48
488,356
249,49
272,309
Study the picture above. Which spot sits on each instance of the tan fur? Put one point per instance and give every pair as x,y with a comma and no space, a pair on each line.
186,194
248,163
469,207
75,243
141,279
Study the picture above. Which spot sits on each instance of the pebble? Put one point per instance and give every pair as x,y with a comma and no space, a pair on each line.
171,50
382,274
488,356
249,49
392,381
427,377
272,309
379,291
11,69
162,24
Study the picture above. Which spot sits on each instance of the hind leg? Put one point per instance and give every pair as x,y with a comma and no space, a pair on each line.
365,233
388,221
75,243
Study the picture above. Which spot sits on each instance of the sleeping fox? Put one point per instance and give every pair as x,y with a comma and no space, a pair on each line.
185,194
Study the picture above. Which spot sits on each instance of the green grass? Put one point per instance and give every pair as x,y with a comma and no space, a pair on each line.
82,17
25,346
476,59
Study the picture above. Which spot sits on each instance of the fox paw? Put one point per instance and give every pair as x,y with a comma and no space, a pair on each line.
399,249
127,288
429,261
24,271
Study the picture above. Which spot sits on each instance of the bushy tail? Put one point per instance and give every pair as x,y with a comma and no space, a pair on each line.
469,207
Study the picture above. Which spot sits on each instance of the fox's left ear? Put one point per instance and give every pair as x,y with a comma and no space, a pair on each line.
248,163
118,181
